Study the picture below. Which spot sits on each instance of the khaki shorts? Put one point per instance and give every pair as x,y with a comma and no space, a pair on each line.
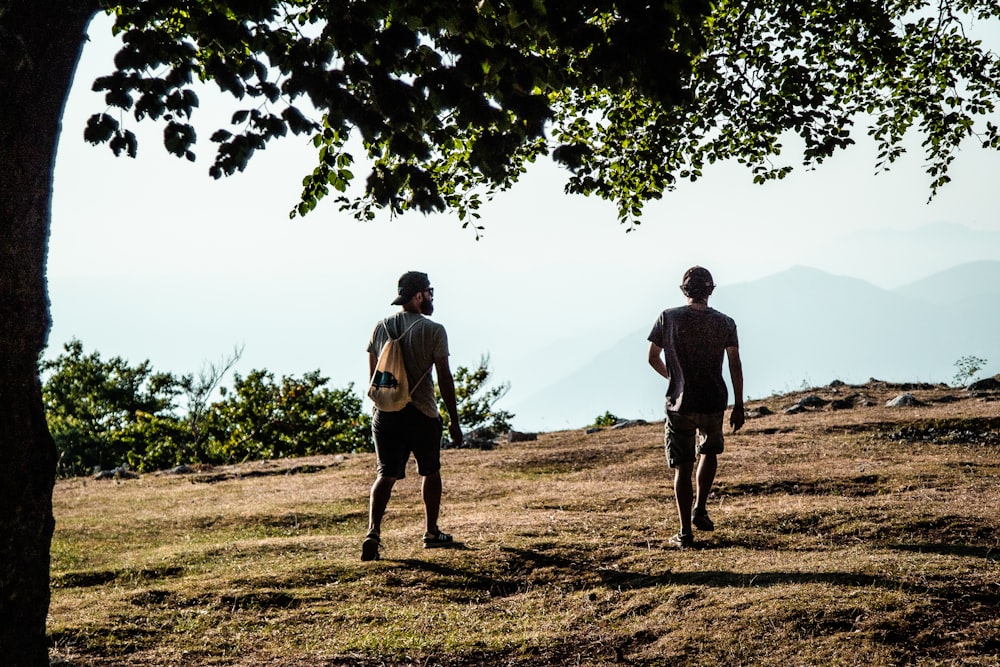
688,436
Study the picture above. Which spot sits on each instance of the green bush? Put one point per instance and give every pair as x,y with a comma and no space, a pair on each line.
476,403
156,442
103,414
607,419
260,419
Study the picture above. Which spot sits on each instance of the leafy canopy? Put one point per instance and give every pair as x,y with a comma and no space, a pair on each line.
450,101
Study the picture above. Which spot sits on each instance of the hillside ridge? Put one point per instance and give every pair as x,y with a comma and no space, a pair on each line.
864,536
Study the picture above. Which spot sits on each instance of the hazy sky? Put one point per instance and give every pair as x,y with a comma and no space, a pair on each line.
152,259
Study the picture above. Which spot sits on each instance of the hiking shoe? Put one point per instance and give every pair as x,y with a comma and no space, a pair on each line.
369,548
682,540
438,540
700,520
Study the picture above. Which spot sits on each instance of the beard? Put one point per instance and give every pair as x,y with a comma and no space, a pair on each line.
427,307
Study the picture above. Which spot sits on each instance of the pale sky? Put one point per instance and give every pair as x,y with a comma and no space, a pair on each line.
152,259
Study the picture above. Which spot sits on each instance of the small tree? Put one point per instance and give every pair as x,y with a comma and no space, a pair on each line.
967,368
198,390
476,402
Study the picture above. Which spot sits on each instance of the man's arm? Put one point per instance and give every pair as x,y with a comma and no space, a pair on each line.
372,362
446,385
738,417
656,360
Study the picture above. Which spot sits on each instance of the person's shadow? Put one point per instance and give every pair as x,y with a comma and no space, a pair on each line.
521,562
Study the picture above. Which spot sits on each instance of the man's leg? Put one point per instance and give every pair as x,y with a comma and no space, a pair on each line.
712,444
707,466
378,501
684,494
426,449
430,489
679,441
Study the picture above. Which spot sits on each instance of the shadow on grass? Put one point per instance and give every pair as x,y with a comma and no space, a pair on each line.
466,581
528,568
101,577
964,550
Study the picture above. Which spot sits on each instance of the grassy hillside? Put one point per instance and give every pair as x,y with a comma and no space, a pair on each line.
863,536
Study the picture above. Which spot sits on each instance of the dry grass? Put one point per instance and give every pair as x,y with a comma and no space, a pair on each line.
851,537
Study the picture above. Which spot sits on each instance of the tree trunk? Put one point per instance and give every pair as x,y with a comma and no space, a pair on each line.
40,43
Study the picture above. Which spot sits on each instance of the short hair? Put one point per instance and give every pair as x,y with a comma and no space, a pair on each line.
697,283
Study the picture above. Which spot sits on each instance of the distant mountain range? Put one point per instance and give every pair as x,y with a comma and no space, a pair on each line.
800,327
887,257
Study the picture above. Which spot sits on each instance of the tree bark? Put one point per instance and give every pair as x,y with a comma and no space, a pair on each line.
40,44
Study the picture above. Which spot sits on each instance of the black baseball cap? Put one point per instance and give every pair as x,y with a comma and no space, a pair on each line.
410,284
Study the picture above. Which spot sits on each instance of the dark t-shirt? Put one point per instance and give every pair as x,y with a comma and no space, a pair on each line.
694,343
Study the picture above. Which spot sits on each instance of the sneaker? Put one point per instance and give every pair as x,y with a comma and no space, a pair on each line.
438,540
700,520
369,548
682,540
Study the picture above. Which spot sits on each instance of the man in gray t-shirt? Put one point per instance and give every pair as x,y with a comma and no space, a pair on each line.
687,346
415,429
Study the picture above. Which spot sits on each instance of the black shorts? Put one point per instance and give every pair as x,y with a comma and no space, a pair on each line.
398,434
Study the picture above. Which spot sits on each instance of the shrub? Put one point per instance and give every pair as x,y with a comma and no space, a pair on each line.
607,419
476,403
106,413
103,414
967,368
260,419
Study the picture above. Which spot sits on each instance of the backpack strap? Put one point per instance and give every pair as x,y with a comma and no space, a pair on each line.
385,325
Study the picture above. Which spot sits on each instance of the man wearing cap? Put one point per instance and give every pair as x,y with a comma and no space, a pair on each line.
417,428
686,346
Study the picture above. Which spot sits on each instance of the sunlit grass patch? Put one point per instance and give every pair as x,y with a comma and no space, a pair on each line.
834,545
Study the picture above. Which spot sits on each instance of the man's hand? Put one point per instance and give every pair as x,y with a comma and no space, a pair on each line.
455,429
737,417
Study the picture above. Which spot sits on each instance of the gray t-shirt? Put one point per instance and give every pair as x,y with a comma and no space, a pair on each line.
425,342
694,343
